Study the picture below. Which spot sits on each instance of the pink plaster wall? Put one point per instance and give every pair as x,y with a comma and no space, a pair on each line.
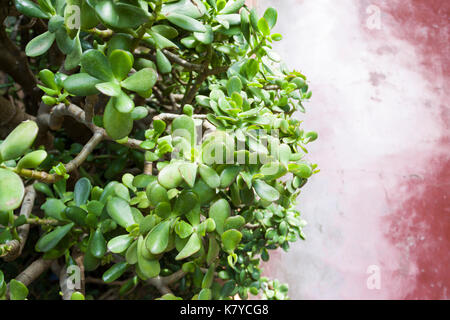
381,107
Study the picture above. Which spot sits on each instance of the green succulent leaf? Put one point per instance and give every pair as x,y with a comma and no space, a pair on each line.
76,214
97,244
186,22
97,65
17,290
121,15
31,9
170,177
115,272
121,63
118,125
230,239
111,89
193,245
40,45
51,239
265,191
158,238
12,190
142,80
119,210
219,212
81,84
19,140
82,191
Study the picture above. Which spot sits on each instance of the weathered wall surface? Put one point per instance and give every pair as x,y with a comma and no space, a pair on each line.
381,107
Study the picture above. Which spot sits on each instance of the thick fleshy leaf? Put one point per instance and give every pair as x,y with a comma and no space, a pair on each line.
48,79
204,193
229,175
142,80
82,191
186,22
119,210
97,244
31,9
120,243
111,89
183,229
115,272
234,84
54,208
90,262
17,290
213,250
189,172
39,45
156,193
265,191
184,126
158,238
163,64
77,296
209,277
95,63
169,177
12,190
263,26
206,37
191,8
161,41
230,239
32,160
81,84
301,170
209,175
186,201
121,15
272,171
219,212
205,294
44,188
234,222
167,32
65,43
163,210
149,268
76,214
123,103
232,6
121,63
19,140
51,239
271,17
193,245
139,113
131,253
118,125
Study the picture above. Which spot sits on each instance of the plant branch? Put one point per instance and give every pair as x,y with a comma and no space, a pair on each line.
33,271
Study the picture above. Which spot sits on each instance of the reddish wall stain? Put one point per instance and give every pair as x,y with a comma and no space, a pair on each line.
380,105
425,204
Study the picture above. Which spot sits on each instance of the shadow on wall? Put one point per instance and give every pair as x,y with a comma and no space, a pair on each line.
379,71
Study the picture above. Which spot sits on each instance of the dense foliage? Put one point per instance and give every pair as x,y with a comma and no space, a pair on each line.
164,160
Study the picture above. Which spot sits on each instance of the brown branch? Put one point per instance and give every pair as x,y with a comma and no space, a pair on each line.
33,271
162,283
14,62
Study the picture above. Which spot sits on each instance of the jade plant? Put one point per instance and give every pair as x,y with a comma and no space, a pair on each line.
164,160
